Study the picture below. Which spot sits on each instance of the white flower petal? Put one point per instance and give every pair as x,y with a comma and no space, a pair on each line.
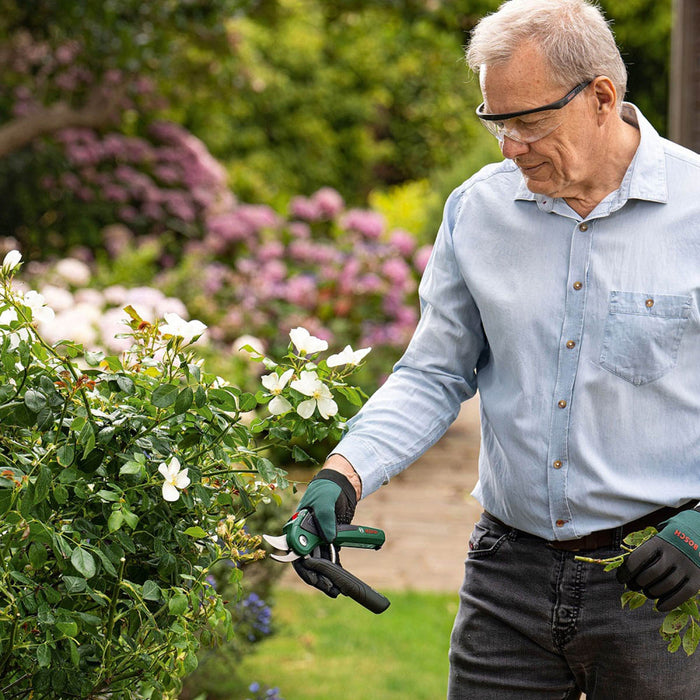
342,358
170,493
279,405
327,407
163,469
306,408
11,260
182,481
359,355
305,343
306,384
285,378
270,381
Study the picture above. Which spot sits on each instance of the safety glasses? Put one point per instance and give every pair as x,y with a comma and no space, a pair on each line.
511,124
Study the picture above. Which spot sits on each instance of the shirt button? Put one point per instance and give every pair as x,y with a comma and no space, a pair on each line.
562,404
577,285
557,464
649,303
560,523
570,344
583,227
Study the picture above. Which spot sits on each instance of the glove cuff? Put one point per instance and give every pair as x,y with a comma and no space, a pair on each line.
341,480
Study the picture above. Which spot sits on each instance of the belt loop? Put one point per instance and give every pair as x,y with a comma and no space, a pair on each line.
617,537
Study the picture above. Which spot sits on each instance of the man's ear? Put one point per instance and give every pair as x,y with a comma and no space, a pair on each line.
606,97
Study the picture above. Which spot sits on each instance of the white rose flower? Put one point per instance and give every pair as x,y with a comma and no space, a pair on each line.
310,385
176,479
305,343
275,384
187,330
347,356
11,260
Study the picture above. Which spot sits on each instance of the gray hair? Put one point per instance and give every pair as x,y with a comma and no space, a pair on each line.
574,37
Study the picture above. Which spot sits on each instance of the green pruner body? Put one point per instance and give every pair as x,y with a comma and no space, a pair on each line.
303,538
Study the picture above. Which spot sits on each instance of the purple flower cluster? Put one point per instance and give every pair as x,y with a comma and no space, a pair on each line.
339,273
263,692
254,617
151,182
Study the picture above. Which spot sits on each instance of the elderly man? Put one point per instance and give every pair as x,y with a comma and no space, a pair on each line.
564,287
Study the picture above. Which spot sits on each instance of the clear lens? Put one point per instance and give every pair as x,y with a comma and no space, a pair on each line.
522,132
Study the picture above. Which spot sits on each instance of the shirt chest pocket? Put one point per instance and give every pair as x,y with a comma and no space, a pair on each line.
642,334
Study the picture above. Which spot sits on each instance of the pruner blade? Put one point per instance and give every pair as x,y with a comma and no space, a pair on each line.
280,542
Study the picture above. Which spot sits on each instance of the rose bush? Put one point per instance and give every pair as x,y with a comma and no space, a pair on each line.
124,480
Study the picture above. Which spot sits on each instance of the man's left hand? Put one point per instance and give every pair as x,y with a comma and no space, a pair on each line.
667,566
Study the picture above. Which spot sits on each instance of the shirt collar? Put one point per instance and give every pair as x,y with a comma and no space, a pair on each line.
645,177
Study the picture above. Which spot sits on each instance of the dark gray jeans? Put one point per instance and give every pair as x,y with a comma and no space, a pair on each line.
534,624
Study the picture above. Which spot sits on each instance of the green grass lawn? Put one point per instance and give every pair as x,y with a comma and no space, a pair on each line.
327,649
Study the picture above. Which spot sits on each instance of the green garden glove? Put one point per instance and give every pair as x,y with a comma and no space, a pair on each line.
331,499
667,567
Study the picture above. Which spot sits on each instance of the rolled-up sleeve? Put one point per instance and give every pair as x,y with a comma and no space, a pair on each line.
422,396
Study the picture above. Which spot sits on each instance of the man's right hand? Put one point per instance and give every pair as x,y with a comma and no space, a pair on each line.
331,499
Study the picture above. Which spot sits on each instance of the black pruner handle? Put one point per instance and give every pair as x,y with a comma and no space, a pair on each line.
349,585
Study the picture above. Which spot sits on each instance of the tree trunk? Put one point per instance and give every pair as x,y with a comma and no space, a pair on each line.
98,112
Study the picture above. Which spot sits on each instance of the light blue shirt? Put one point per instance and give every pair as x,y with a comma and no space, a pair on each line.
581,337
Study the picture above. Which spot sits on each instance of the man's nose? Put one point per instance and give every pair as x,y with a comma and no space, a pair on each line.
512,148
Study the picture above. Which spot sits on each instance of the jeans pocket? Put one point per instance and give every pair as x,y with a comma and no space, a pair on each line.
486,538
642,334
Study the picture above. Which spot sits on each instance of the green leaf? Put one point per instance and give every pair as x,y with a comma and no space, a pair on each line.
83,562
87,439
200,397
74,654
60,494
125,384
247,402
115,520
184,400
42,485
151,590
268,471
691,638
114,363
65,455
633,599
298,455
675,643
131,519
104,435
68,628
196,532
109,568
34,400
224,399
675,621
37,555
691,607
177,605
93,359
43,655
131,467
74,584
109,496
164,395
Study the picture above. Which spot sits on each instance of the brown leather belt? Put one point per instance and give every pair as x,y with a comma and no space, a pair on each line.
607,538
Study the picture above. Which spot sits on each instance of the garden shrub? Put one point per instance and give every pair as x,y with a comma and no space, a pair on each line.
124,480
